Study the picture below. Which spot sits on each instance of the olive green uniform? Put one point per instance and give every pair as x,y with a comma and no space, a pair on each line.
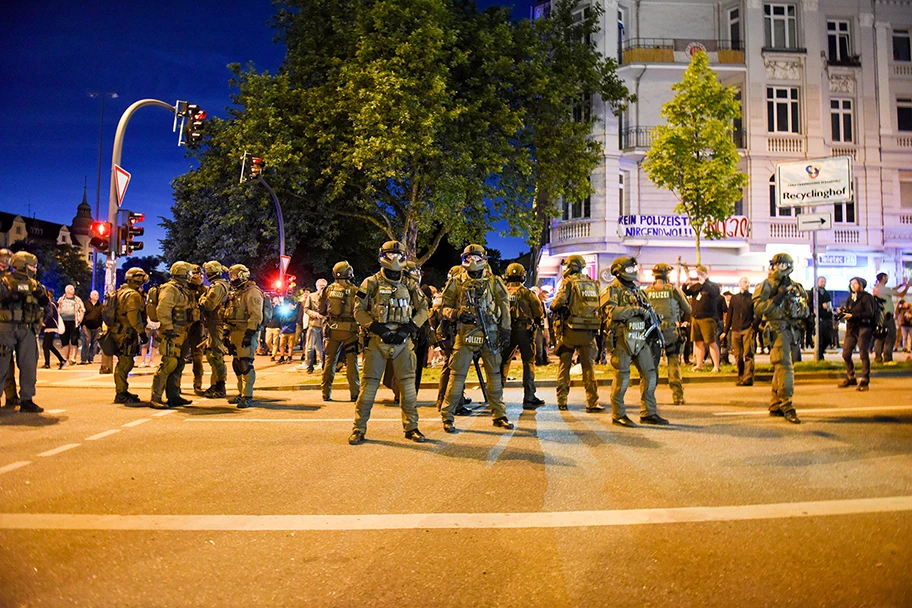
576,333
623,308
213,304
22,301
392,304
195,337
337,304
783,304
526,313
129,323
244,314
672,305
175,312
490,294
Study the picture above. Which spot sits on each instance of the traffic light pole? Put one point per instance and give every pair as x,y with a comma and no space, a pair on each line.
110,272
275,199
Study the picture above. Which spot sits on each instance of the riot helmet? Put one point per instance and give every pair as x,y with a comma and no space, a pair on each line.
180,271
516,273
574,264
5,255
781,265
343,270
214,269
136,277
238,275
474,258
196,275
24,262
661,271
392,260
625,268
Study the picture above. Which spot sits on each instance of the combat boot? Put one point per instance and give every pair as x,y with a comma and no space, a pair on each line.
415,435
156,400
244,402
846,382
30,407
198,391
503,423
178,402
863,385
215,391
356,438
123,398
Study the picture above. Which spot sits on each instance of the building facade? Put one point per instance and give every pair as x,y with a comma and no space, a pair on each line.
816,78
15,227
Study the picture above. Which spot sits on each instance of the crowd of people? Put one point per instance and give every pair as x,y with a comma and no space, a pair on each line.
390,327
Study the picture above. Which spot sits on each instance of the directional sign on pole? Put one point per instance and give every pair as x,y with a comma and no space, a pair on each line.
808,222
122,179
285,260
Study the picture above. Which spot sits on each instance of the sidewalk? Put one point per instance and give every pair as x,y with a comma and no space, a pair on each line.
284,377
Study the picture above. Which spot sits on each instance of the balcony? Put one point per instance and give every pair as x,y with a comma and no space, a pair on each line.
852,61
680,50
640,138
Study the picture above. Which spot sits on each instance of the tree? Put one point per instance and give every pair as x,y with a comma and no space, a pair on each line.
694,154
149,263
59,266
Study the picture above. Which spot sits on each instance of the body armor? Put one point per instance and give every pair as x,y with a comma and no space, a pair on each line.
19,303
628,332
665,303
584,304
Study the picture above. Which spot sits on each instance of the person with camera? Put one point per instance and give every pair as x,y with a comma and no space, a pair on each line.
858,312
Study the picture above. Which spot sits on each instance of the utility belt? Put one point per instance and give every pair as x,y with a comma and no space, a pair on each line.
583,323
18,315
349,326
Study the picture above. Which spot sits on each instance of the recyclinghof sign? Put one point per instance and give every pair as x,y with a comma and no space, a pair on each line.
822,181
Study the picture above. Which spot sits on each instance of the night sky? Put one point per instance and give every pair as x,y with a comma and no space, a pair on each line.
59,52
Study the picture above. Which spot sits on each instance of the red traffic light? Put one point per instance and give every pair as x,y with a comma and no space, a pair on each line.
277,284
201,115
101,229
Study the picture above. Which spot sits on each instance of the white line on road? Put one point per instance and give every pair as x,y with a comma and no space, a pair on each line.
62,448
102,435
163,413
287,420
54,411
137,422
421,521
820,410
13,466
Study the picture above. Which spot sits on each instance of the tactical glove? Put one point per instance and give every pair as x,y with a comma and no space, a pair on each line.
780,295
169,334
467,318
248,337
400,335
503,339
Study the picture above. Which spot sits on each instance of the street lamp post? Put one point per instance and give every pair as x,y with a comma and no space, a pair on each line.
101,95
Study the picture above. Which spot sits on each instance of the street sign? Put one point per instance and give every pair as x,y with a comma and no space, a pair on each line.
821,181
285,260
122,179
808,222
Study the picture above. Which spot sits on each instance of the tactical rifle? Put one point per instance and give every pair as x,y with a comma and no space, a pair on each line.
481,382
480,317
655,321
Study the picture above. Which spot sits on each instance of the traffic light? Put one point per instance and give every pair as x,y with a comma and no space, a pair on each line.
195,118
131,231
101,236
256,167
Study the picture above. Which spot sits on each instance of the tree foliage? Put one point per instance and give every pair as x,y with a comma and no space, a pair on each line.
694,154
59,266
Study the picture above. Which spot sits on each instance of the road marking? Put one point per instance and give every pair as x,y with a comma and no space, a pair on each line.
62,448
54,411
422,521
820,410
13,466
136,422
102,435
287,420
163,413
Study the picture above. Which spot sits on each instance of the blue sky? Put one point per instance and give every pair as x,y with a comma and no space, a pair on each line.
58,52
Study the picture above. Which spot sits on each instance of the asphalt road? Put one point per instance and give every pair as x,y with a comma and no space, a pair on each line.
107,505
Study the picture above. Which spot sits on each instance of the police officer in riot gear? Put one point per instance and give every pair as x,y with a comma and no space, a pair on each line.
422,340
9,389
577,320
22,301
629,339
128,331
195,345
445,335
672,306
477,301
782,302
243,320
175,313
391,309
526,314
337,304
212,303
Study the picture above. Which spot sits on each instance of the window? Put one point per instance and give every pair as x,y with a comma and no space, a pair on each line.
621,29
844,213
838,42
782,110
734,28
582,109
841,120
579,17
739,206
577,210
904,114
622,198
780,26
738,123
774,210
902,49
905,190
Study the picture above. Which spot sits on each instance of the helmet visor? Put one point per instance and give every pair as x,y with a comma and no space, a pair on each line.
632,269
393,256
780,266
472,258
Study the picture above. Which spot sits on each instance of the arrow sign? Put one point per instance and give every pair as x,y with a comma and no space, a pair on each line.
808,222
285,260
121,181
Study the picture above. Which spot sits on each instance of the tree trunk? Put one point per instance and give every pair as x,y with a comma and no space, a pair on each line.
542,204
698,230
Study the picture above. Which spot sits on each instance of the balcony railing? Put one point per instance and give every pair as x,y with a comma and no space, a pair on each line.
680,50
853,61
633,138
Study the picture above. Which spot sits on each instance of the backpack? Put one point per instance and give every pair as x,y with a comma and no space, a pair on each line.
584,305
109,311
152,304
879,322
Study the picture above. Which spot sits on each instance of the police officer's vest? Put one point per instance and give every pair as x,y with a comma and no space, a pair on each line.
520,310
236,310
23,310
121,320
390,302
584,304
630,333
181,314
340,307
215,317
666,305
477,291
